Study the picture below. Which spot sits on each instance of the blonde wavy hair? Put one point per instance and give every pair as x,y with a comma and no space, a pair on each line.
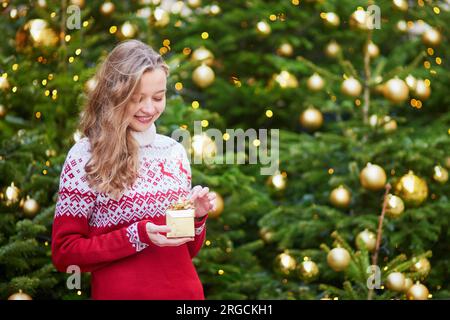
105,120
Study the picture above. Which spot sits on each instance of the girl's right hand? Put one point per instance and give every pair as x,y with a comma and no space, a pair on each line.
160,240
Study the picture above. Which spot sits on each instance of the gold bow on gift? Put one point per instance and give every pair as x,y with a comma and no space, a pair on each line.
182,204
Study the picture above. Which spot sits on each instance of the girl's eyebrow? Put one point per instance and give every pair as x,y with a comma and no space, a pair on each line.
163,90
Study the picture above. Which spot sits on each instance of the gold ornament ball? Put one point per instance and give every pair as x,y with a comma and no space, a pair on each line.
411,82
331,19
373,177
332,49
308,270
395,206
50,152
395,281
39,34
412,189
285,79
402,26
219,204
79,3
311,119
360,19
30,207
203,76
432,37
263,28
338,259
351,87
20,296
160,17
127,30
367,239
315,82
107,8
266,235
422,90
4,83
396,90
203,55
285,49
408,284
340,197
422,266
2,111
285,264
390,125
401,5
440,174
12,194
194,4
278,181
372,49
417,292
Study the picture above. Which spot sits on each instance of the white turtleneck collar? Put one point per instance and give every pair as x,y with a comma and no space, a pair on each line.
145,138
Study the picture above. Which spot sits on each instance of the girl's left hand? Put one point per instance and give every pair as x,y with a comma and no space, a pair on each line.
204,201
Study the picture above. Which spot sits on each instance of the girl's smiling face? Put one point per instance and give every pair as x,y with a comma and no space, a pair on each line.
149,100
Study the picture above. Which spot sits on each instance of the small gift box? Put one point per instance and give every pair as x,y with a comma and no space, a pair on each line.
180,219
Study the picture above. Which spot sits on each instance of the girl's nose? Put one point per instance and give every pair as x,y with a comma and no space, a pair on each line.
148,106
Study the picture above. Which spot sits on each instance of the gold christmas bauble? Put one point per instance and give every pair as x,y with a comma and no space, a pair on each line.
127,30
367,239
194,4
332,49
203,55
373,177
2,111
417,292
360,19
30,207
408,284
395,206
402,26
203,146
278,181
266,235
396,90
285,79
331,19
401,5
285,264
203,76
411,82
107,8
422,90
263,28
79,3
20,296
395,281
412,189
351,87
340,197
440,174
315,82
338,259
311,119
285,49
372,49
219,204
308,270
50,152
432,37
38,34
12,194
160,17
4,83
389,124
422,266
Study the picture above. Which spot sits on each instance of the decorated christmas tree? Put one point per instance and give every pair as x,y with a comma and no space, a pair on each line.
358,208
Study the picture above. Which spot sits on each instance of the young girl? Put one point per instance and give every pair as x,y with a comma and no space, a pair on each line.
117,182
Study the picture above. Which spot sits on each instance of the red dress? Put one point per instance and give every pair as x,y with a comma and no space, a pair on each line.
108,237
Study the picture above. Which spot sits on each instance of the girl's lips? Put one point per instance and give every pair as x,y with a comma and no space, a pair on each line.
144,120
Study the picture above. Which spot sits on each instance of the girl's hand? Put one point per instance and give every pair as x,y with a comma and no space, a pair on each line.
203,200
153,232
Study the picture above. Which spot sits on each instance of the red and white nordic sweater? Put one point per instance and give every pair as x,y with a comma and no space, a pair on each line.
108,238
